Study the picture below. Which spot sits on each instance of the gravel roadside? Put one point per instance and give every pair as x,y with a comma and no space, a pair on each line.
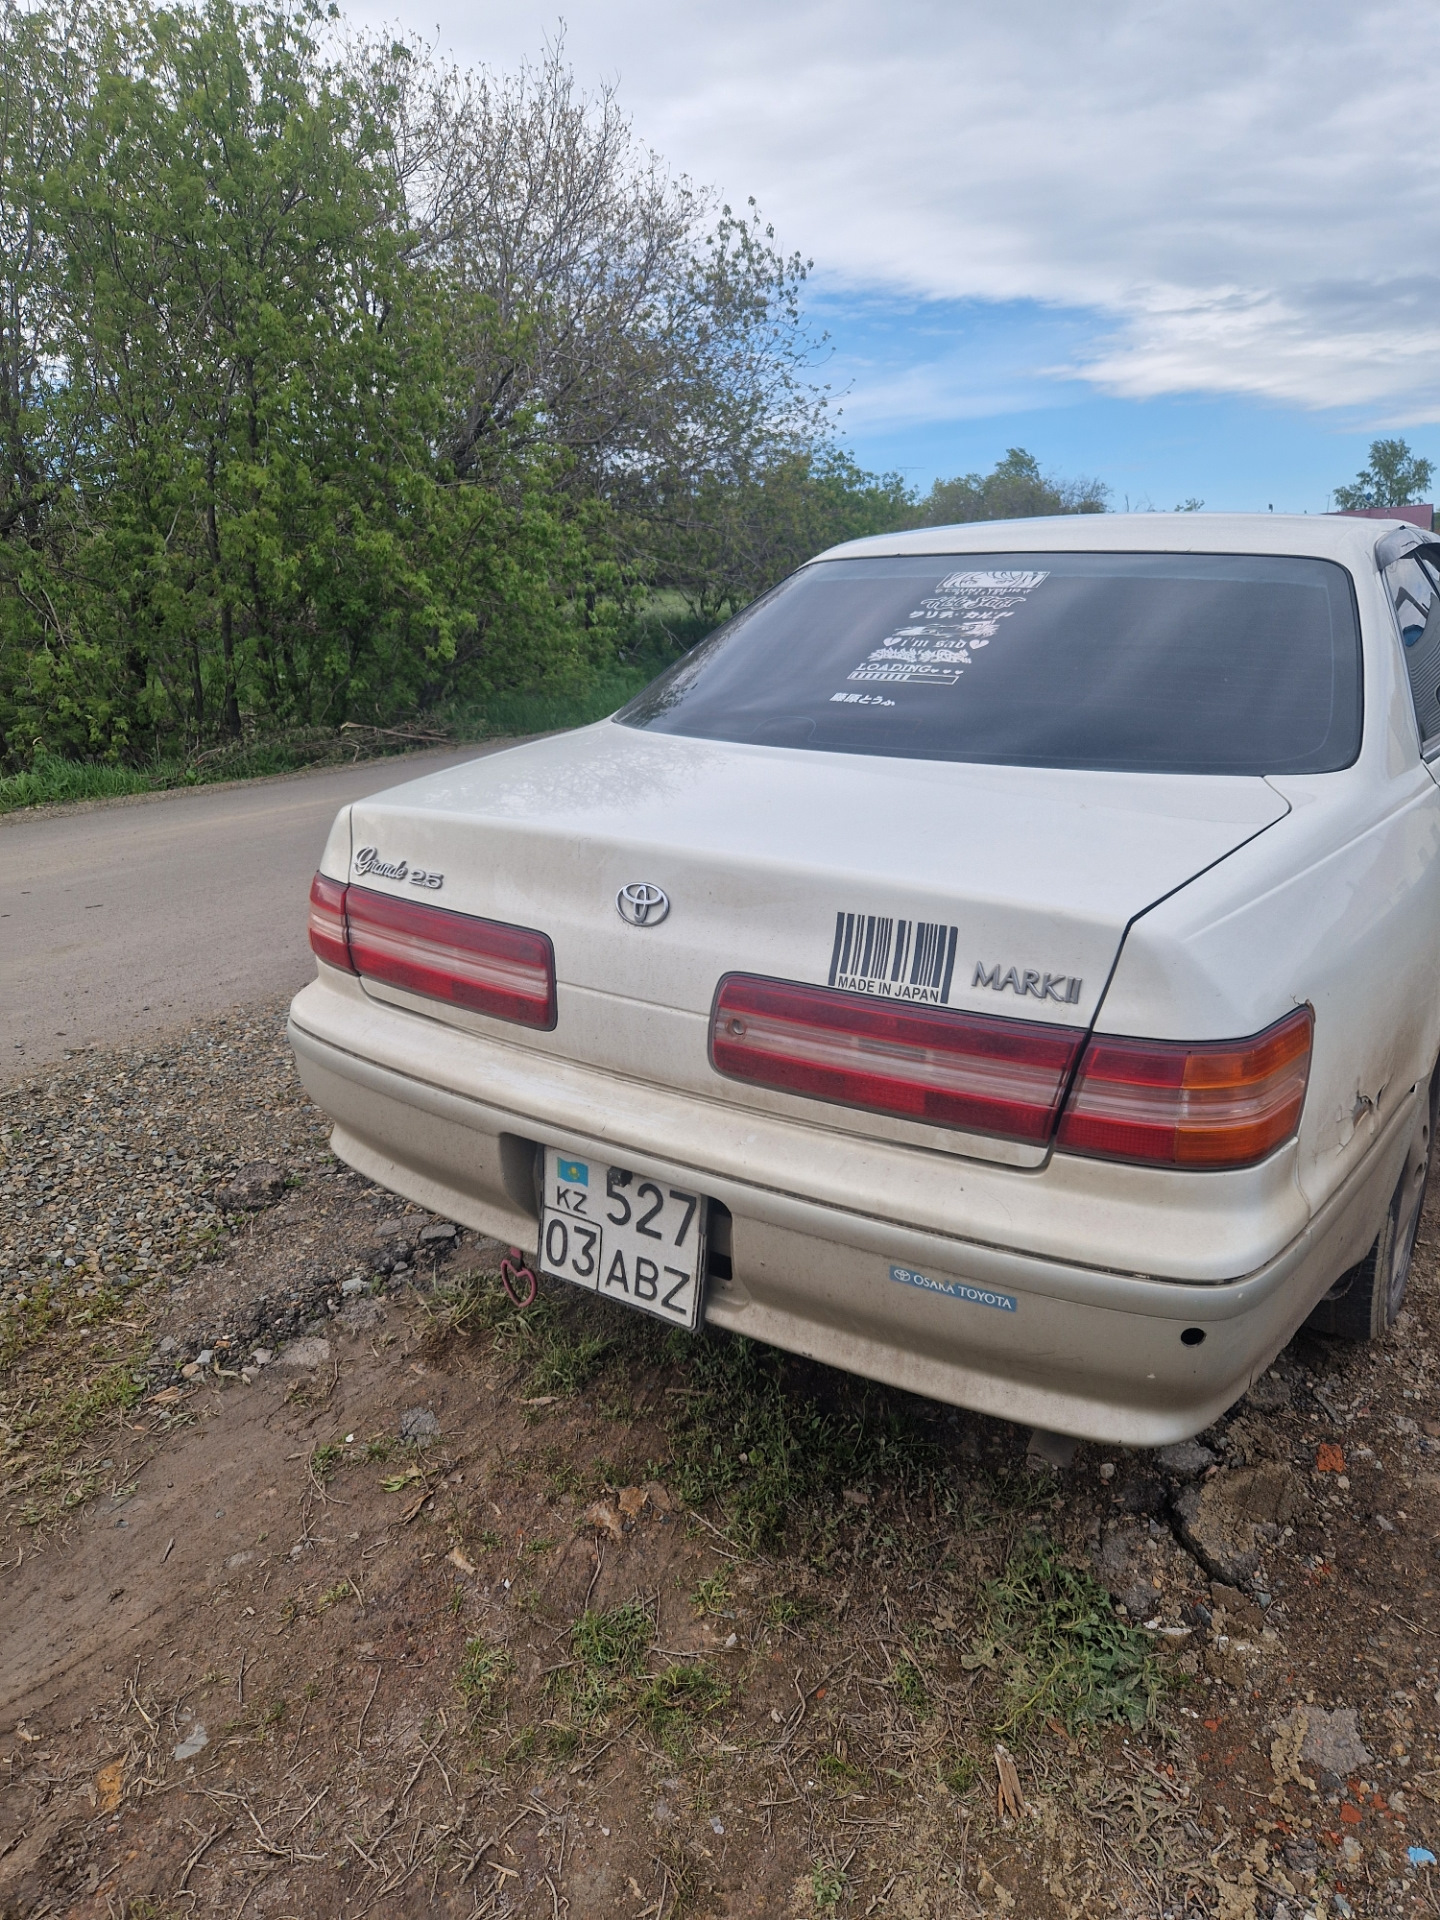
114,1169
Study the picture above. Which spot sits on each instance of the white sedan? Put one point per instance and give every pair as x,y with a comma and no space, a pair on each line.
1001,962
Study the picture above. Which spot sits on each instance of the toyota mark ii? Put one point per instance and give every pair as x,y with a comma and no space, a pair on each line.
1000,962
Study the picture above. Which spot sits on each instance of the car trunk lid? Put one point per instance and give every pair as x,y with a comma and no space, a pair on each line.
993,889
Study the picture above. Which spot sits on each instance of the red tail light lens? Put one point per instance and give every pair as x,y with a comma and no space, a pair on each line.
1169,1104
922,1063
327,922
483,965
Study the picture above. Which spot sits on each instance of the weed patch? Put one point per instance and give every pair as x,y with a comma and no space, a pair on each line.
674,1700
774,1458
482,1670
1053,1634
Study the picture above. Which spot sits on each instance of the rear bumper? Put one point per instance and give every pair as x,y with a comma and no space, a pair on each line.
1076,1348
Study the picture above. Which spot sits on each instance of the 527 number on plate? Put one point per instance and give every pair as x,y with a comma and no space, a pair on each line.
628,1235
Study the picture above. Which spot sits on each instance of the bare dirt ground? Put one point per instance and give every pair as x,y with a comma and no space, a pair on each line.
333,1584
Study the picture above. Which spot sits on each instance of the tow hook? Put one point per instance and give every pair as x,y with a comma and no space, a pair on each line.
517,1278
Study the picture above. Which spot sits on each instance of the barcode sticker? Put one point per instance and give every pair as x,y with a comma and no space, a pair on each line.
893,959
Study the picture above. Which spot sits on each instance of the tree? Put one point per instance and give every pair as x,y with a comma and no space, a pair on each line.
1015,489
1393,477
616,314
254,385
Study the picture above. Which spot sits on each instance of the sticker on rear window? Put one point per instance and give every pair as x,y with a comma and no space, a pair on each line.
956,1290
893,959
961,616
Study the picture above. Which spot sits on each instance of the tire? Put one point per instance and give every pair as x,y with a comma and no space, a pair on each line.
1365,1301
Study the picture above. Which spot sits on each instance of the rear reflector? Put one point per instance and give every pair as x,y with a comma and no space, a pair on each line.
947,1069
1175,1105
482,965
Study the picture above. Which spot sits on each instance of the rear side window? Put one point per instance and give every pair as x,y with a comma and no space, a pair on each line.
1153,663
1415,596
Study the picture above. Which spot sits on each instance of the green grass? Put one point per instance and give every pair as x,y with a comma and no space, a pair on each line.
673,1701
482,1668
614,1640
712,1594
1051,1633
559,1360
776,1458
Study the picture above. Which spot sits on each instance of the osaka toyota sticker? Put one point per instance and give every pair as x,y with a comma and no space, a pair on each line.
956,1290
369,864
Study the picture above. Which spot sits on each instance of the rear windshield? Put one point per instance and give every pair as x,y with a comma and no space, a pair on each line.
1146,663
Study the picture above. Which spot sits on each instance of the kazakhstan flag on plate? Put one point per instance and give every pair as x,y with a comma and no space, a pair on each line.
574,1173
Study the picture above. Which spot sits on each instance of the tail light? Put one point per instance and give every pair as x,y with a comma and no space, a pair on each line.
327,922
922,1063
483,965
1156,1102
1170,1104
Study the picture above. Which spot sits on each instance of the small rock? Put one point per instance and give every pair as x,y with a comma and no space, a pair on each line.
205,1356
352,1286
194,1741
261,1357
1327,1739
189,1370
1220,1520
604,1519
310,1352
168,1344
443,1232
240,1559
1269,1394
1107,1470
384,1229
260,1184
1188,1459
1241,1613
419,1424
360,1316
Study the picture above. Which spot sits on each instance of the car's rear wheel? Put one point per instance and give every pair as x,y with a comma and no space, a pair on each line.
1365,1300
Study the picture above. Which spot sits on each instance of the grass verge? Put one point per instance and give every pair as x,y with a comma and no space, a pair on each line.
53,778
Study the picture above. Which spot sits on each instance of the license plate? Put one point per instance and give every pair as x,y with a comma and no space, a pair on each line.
625,1235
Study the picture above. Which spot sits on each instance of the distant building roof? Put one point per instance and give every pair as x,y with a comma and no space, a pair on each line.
1422,517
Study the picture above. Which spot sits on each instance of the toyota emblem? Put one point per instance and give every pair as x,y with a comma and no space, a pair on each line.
642,904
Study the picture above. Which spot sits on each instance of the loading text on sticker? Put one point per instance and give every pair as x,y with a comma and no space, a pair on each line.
948,628
956,1290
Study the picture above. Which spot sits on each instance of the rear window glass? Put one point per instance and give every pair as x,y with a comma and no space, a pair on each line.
1154,663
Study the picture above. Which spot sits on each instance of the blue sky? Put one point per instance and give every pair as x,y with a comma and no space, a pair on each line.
1190,249
939,387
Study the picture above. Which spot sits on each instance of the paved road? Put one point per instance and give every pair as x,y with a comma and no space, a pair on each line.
133,916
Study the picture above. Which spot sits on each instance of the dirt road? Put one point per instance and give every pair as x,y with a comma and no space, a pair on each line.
132,916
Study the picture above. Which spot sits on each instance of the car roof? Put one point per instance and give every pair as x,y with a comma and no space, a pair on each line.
1326,536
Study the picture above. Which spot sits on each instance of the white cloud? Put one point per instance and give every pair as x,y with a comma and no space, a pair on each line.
1247,197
